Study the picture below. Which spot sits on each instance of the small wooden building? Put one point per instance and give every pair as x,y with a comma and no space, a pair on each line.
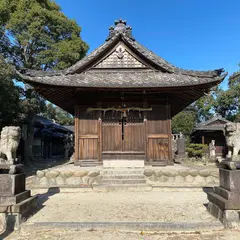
213,129
123,97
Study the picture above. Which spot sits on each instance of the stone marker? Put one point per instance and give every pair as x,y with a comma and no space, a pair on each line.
224,201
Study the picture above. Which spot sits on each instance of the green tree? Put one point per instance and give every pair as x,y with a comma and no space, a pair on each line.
184,121
58,115
35,34
227,103
9,96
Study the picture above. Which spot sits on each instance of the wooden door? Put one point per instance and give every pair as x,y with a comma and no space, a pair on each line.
133,133
86,135
123,137
158,131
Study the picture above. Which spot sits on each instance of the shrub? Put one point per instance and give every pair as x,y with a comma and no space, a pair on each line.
197,150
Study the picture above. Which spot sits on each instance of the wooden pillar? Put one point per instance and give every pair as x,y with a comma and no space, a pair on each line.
169,133
76,147
99,139
202,139
146,138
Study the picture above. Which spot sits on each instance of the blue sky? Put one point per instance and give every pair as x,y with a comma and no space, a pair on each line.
191,34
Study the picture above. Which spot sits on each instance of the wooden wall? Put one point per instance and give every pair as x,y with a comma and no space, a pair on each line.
152,135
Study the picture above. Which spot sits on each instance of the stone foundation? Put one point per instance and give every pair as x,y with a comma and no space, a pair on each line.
16,203
153,177
64,178
224,201
182,177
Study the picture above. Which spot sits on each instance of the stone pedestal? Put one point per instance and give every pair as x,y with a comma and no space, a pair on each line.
16,203
224,201
181,146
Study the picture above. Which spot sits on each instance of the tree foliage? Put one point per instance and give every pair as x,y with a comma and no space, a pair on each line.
37,35
223,102
58,115
196,150
9,96
184,121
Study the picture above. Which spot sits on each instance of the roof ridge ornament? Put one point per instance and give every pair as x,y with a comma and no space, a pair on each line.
120,28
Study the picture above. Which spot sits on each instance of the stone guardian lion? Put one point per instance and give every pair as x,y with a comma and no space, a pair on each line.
232,135
10,137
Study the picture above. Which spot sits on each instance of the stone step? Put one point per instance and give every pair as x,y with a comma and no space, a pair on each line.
122,181
125,226
159,164
122,187
123,163
122,171
90,163
134,176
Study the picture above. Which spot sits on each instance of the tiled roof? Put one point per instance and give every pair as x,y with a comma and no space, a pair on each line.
123,79
165,75
211,127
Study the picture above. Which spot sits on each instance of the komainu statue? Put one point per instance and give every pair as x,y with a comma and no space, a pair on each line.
10,137
232,135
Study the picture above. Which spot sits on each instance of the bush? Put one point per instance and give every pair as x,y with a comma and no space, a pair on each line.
197,150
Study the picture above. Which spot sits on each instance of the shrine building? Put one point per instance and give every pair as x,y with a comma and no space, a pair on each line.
123,97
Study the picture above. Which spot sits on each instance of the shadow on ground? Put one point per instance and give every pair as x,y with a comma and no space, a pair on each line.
42,198
31,170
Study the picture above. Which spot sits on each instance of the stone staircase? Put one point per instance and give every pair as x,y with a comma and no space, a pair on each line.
88,163
122,179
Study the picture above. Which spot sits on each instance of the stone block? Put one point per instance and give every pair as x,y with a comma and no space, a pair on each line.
52,182
66,173
183,172
233,198
172,173
43,181
158,173
74,181
179,179
198,179
189,179
80,173
204,173
93,174
148,172
60,181
215,211
210,180
12,184
230,179
163,178
153,179
3,222
40,174
223,203
52,174
231,219
193,172
14,199
86,179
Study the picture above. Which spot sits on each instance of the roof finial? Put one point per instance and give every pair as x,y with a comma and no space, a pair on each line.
120,28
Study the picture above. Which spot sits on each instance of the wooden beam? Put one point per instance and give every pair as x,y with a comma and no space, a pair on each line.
76,155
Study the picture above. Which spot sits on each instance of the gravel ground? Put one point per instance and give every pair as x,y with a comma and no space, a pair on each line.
87,206
123,207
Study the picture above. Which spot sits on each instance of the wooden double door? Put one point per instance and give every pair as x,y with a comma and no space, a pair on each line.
115,136
123,136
